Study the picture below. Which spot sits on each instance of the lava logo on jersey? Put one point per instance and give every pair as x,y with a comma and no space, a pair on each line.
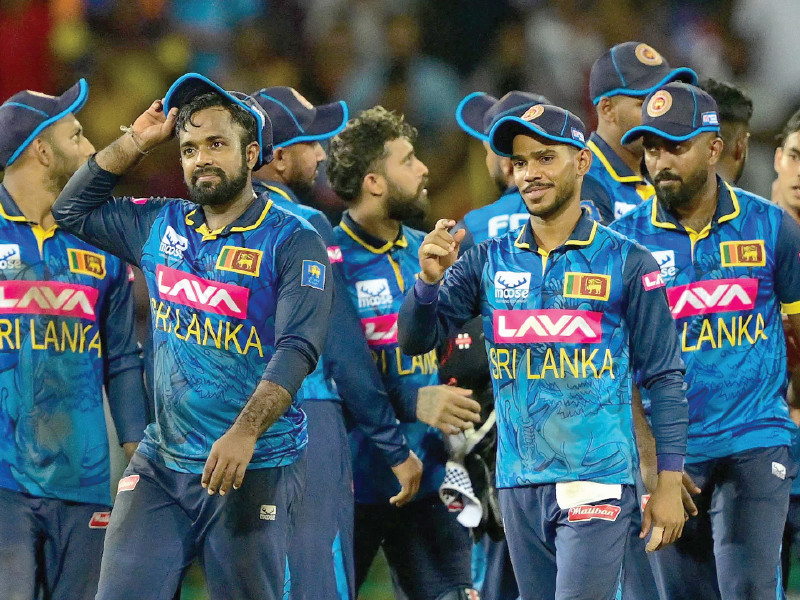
380,330
10,257
87,263
240,260
48,298
721,295
373,293
659,104
335,254
648,55
173,244
743,254
547,325
587,512
653,280
587,286
510,285
211,296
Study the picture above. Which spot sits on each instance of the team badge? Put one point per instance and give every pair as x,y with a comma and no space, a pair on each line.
659,104
743,254
87,263
240,260
533,112
313,274
587,286
648,55
463,341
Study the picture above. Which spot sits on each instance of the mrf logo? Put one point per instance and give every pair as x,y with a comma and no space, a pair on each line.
373,293
587,512
703,297
210,296
547,325
87,263
173,244
509,285
380,330
743,254
48,298
100,520
587,286
244,261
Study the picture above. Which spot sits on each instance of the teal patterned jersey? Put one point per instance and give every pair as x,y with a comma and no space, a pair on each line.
725,286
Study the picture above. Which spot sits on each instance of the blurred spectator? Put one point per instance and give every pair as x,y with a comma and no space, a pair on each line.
24,45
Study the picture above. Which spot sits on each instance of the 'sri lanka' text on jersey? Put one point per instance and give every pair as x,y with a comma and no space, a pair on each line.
725,285
221,300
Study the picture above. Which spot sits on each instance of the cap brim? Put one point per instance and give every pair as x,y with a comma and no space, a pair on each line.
329,120
471,111
683,74
501,137
70,101
679,135
190,85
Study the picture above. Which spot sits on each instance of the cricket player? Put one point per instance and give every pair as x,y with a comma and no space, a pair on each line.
730,262
346,380
240,297
66,334
569,315
735,111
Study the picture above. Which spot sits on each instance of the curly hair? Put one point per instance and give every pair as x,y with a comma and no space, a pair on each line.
360,148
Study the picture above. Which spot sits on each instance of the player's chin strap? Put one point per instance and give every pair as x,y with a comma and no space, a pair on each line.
460,593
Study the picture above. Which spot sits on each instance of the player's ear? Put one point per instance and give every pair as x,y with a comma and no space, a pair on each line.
778,157
605,110
251,153
715,150
374,184
41,151
583,160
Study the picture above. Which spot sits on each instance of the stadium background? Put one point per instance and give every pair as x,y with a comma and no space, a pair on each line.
415,56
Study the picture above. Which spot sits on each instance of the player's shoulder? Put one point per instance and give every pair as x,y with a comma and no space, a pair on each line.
748,201
413,236
636,220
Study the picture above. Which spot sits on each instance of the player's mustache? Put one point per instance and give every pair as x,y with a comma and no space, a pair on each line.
208,171
537,185
666,176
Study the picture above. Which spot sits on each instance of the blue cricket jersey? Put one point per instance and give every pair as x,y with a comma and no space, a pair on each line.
66,330
725,286
229,307
564,330
377,275
610,184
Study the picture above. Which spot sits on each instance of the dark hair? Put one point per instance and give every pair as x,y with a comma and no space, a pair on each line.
210,100
733,105
792,126
359,148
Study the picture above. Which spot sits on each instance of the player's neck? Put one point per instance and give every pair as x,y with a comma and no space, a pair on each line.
778,199
33,197
267,174
552,231
372,218
222,215
631,160
697,213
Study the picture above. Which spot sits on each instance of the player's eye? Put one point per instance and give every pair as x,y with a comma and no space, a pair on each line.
187,151
519,164
546,160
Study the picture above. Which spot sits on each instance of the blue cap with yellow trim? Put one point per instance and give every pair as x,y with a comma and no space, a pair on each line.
26,114
296,120
677,112
191,85
545,121
478,111
633,69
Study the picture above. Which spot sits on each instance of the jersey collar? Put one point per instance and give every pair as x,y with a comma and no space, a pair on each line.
369,241
727,209
618,170
250,219
275,187
8,208
582,235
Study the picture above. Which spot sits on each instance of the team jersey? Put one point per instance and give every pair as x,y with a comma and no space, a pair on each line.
564,330
725,286
66,328
610,184
377,275
345,371
229,307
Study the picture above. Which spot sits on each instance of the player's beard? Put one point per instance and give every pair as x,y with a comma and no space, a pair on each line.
63,169
302,186
216,194
676,196
402,206
564,191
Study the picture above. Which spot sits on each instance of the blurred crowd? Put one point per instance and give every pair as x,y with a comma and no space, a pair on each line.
416,57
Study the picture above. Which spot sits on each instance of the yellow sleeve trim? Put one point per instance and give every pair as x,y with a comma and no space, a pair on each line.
792,308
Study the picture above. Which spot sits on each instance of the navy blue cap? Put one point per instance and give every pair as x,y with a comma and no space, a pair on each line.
677,112
543,121
190,85
477,112
296,120
26,114
633,69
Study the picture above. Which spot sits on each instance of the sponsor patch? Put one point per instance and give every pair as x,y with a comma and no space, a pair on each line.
10,257
659,104
510,285
652,281
532,113
140,200
709,118
648,55
380,330
743,254
268,512
587,512
244,261
721,295
547,325
666,262
126,484
623,208
501,223
173,244
463,341
100,520
373,293
313,274
577,134
204,294
645,498
587,286
778,470
87,263
335,254
48,298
